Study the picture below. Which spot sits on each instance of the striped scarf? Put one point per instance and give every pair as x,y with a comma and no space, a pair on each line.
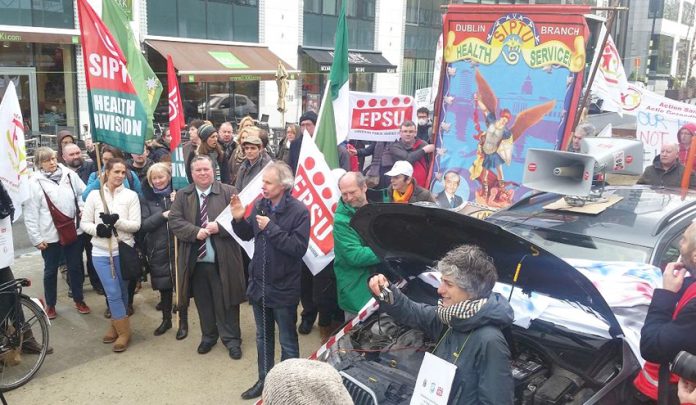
462,310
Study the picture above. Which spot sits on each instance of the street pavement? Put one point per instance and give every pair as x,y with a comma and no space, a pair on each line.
154,369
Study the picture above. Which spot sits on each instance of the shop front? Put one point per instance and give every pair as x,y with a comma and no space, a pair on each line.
42,68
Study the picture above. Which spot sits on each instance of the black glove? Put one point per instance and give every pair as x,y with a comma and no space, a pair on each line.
104,231
108,219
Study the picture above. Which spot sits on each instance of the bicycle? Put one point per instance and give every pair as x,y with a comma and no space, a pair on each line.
23,335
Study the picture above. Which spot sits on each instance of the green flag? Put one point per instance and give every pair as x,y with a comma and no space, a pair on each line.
334,116
146,83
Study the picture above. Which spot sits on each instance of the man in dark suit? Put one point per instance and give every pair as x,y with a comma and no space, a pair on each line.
448,198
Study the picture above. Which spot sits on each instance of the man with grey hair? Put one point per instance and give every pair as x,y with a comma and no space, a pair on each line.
582,131
467,324
279,225
666,170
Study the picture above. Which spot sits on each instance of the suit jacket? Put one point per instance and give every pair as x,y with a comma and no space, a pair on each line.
443,202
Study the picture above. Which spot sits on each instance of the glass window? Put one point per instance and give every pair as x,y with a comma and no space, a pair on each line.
38,13
330,7
320,26
225,20
671,10
687,16
312,6
661,57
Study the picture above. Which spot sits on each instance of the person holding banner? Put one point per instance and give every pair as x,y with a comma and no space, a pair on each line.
52,218
157,238
684,136
279,225
110,218
209,259
414,150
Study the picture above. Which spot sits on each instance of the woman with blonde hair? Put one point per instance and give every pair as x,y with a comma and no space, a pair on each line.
117,222
245,122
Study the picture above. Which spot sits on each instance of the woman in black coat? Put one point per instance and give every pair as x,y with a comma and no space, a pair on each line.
159,243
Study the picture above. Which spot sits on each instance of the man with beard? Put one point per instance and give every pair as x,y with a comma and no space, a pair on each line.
139,164
354,261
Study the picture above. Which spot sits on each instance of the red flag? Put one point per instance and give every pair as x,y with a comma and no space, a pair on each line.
176,111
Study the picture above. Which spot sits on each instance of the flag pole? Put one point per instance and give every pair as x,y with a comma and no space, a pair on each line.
686,177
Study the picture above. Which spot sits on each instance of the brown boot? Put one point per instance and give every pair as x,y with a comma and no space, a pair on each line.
124,333
110,335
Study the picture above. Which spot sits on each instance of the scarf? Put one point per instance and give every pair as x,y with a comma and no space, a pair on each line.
55,176
463,310
162,192
403,198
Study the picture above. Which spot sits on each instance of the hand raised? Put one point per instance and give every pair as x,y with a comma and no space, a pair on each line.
236,207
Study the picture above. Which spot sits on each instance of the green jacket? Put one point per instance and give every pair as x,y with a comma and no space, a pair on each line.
353,261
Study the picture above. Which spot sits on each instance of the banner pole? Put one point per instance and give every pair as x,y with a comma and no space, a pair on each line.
176,281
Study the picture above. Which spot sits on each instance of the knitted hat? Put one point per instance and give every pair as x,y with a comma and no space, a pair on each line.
691,127
307,382
205,131
309,115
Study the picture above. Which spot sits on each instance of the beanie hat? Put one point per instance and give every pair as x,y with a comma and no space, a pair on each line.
309,115
205,131
691,127
307,382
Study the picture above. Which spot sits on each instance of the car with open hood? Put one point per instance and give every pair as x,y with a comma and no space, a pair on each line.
569,344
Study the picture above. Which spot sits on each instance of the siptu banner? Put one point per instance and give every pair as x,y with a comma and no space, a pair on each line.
378,118
511,80
117,114
317,189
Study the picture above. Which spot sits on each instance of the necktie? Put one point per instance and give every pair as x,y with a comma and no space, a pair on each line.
451,202
204,222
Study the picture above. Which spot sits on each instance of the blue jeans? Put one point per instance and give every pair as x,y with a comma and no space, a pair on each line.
286,318
73,259
116,289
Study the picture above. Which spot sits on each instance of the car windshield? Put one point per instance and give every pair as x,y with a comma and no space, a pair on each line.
574,246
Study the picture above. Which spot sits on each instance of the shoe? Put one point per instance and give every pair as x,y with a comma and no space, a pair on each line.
159,306
107,313
254,392
235,352
110,335
164,326
205,347
82,308
130,310
51,312
182,332
122,327
305,326
31,346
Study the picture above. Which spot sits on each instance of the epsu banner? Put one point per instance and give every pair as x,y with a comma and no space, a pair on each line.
511,80
378,118
117,115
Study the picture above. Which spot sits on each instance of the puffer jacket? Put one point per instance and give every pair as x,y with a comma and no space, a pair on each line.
123,202
37,217
483,375
158,240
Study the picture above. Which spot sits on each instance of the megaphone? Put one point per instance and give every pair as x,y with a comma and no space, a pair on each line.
569,173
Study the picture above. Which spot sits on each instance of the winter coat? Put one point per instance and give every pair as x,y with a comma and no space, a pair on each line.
655,175
247,171
158,150
131,182
6,206
278,252
88,167
141,172
283,151
662,337
415,155
386,195
296,146
483,373
184,222
123,202
158,243
37,217
353,261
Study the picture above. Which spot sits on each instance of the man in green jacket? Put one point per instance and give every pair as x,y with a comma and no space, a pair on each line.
354,260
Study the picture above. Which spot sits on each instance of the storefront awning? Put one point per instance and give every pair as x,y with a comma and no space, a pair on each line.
359,61
204,62
63,37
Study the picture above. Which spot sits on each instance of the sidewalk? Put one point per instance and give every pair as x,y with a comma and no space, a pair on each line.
154,369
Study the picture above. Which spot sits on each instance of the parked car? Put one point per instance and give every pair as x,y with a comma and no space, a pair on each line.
576,349
220,105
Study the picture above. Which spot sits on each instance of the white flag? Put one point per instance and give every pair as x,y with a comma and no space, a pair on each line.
13,161
610,81
317,189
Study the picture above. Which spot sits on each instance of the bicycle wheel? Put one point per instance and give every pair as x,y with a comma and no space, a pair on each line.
18,366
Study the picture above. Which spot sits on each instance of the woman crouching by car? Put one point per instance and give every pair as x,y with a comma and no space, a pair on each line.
467,325
159,241
52,218
122,218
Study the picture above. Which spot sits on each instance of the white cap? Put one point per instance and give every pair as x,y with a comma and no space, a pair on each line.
401,167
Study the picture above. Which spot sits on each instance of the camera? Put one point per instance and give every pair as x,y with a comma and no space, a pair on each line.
684,365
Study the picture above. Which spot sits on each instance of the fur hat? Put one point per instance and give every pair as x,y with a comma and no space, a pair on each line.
309,115
205,131
307,382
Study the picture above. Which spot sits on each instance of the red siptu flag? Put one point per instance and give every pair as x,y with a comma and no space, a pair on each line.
176,111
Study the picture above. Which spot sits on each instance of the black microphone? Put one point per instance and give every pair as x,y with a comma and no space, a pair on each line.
261,208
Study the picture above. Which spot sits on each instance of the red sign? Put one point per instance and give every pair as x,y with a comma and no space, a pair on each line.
532,167
378,118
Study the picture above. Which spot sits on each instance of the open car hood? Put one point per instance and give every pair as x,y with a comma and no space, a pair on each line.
423,234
